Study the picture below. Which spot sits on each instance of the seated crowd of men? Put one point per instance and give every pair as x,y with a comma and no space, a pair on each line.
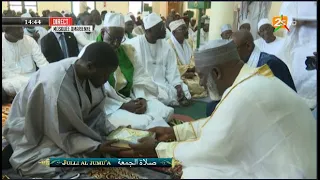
70,90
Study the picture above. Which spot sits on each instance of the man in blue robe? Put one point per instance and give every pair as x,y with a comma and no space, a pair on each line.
251,55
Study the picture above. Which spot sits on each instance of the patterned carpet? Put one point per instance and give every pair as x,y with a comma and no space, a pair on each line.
108,173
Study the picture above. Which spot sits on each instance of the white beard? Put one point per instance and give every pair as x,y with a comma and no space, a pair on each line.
212,89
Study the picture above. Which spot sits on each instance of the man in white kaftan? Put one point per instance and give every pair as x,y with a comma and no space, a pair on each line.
62,115
268,42
159,60
300,43
20,56
204,33
85,38
130,84
260,129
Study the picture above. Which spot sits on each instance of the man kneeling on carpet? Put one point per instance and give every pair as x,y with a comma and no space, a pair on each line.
62,115
248,135
134,94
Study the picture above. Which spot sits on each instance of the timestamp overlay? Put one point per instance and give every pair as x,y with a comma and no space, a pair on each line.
23,21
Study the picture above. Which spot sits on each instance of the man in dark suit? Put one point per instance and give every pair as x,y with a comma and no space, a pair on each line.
251,55
57,46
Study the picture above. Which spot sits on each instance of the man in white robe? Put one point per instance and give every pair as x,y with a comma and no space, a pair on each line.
226,31
300,43
62,115
36,32
159,60
268,42
21,55
133,92
249,135
204,33
85,38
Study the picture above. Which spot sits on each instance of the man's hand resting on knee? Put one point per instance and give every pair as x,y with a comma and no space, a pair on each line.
138,106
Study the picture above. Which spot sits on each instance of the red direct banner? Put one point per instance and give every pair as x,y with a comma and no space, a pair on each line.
60,21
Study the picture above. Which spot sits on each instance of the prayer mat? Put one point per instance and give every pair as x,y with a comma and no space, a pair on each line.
197,110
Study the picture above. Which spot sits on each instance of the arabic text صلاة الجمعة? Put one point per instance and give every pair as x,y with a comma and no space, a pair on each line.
136,163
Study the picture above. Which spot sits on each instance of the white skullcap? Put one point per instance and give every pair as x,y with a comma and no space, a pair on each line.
130,14
127,18
151,20
216,52
113,20
263,22
26,15
225,28
245,21
207,21
175,24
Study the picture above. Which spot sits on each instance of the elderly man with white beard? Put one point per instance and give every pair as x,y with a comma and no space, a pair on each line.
249,135
300,43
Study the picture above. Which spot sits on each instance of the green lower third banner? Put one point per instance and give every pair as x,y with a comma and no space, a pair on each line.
108,162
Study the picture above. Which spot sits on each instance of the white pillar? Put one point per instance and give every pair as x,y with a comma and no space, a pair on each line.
221,13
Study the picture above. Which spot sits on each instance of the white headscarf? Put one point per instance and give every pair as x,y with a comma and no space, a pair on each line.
184,51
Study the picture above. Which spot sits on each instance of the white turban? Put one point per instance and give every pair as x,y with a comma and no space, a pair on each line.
26,15
263,22
175,24
216,52
113,20
225,28
151,20
245,21
207,21
127,18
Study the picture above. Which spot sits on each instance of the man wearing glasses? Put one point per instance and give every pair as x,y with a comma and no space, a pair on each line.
159,59
268,42
133,93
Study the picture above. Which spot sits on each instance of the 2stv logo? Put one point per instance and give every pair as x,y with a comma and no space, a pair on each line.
279,22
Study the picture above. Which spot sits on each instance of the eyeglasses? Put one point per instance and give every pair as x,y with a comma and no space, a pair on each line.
115,41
